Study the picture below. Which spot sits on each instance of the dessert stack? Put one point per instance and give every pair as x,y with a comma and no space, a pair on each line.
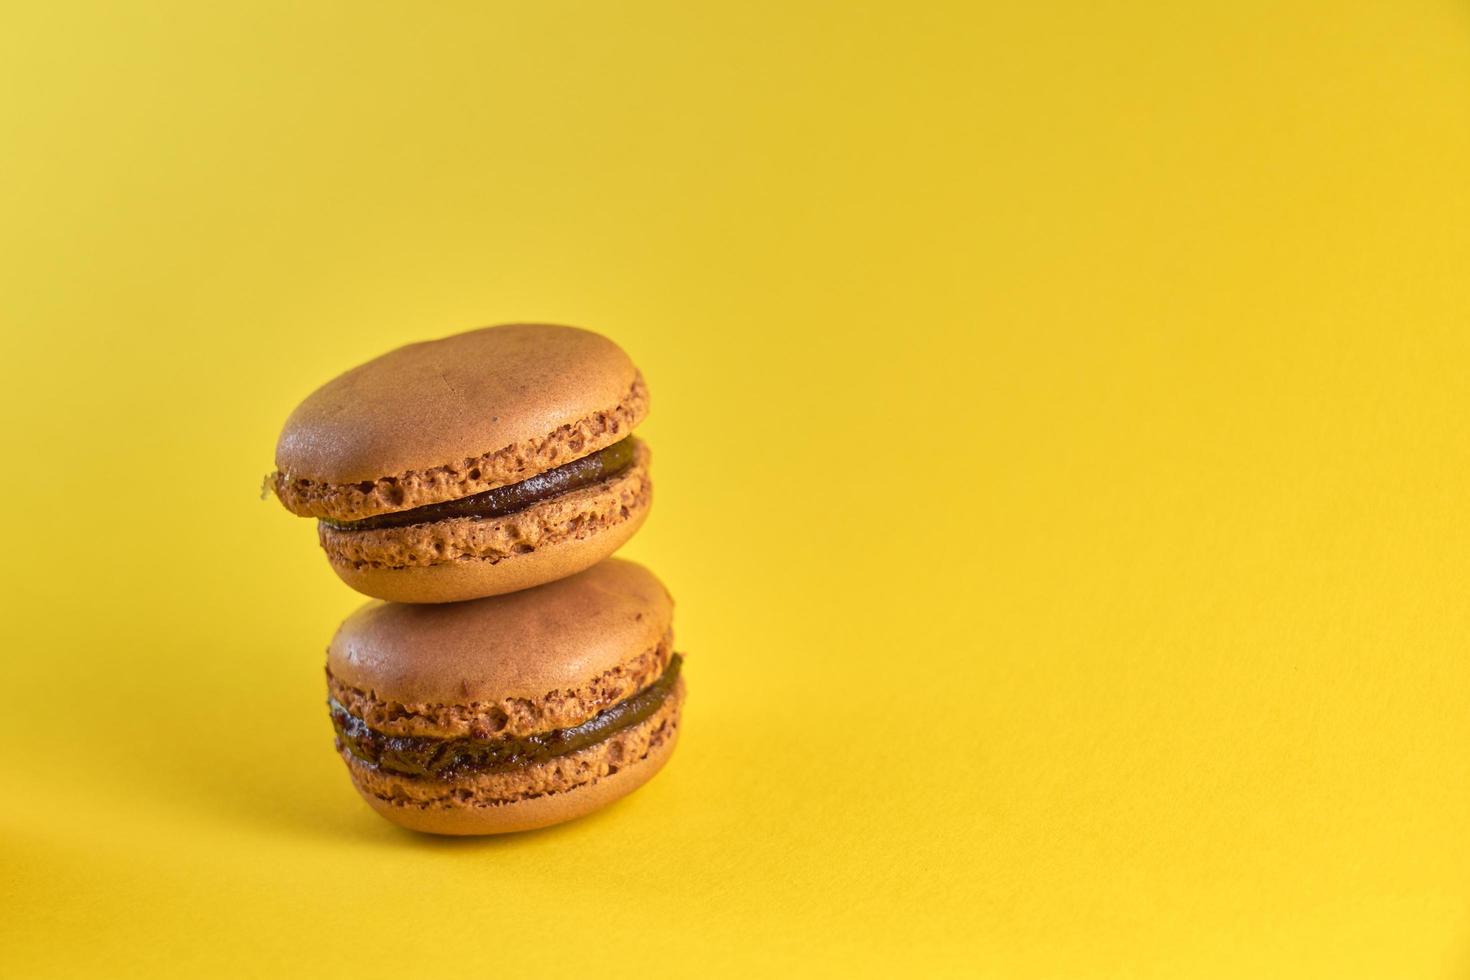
508,674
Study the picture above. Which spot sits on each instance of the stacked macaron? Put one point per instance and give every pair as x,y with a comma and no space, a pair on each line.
510,675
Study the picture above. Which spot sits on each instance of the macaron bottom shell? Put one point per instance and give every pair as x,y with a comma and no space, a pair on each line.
465,558
537,796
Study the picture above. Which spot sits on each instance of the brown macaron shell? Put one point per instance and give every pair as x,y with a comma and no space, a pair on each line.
466,558
450,418
437,669
542,795
530,662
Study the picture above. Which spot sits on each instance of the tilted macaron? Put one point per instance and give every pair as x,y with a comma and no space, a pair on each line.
478,464
511,712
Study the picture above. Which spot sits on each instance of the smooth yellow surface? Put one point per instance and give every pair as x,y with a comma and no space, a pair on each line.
1061,437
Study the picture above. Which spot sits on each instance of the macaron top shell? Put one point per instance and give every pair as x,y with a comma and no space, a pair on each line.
521,645
446,418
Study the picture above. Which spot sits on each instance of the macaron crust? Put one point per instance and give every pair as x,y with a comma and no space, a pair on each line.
510,712
474,465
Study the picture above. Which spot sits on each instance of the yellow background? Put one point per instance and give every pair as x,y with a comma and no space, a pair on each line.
1061,436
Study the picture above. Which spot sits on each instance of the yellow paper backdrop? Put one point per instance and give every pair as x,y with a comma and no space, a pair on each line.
1061,440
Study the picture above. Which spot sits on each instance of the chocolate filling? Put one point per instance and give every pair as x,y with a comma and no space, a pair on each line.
446,758
507,500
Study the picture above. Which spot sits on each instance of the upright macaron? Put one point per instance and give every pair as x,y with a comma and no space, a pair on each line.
511,712
475,465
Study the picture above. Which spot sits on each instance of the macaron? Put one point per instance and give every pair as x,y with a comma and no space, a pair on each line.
470,466
511,712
